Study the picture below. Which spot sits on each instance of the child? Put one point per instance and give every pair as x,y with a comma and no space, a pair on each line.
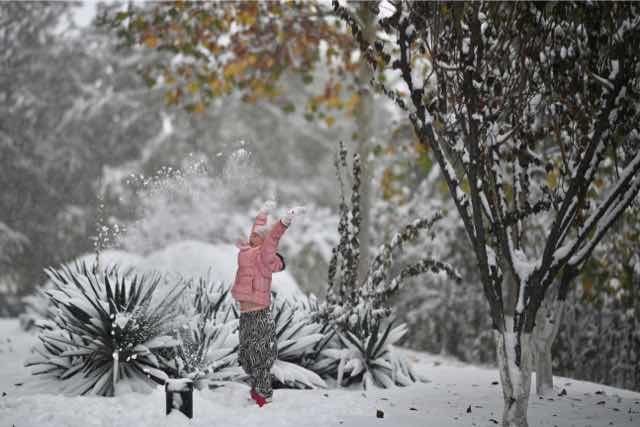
257,261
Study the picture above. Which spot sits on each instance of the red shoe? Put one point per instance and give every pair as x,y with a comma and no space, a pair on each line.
260,400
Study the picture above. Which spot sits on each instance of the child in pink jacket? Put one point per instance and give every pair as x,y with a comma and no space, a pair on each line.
258,259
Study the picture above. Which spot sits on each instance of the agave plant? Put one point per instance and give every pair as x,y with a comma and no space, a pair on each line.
108,328
297,335
39,309
209,339
371,358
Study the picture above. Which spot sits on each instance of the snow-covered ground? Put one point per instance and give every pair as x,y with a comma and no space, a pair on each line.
456,395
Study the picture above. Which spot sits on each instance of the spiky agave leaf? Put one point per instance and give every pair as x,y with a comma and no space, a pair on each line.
296,336
370,358
108,326
208,335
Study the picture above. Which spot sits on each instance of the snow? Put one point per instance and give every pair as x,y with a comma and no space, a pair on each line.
523,269
193,258
189,258
443,401
615,69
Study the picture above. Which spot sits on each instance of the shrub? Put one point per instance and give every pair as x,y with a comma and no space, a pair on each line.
297,334
357,301
208,337
369,356
108,329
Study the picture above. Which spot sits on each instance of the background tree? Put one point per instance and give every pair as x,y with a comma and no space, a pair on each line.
486,85
65,109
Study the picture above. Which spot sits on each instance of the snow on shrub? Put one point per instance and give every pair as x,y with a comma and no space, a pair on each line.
38,307
297,335
108,328
370,358
208,338
356,303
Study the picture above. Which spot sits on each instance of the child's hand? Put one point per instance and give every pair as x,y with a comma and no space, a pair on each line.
293,212
268,206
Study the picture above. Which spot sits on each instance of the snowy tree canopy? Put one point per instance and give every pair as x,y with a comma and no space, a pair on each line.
526,108
523,124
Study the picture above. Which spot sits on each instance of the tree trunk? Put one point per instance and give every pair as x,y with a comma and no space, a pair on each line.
548,322
363,118
516,380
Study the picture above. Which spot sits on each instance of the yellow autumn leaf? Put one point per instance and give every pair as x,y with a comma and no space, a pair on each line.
552,178
193,87
172,97
334,102
216,86
199,107
233,69
151,41
352,103
329,120
420,148
247,18
465,186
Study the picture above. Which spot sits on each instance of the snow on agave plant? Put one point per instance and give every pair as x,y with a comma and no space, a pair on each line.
109,330
209,339
296,335
371,358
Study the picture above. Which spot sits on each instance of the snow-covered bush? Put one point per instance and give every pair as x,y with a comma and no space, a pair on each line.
371,358
107,331
297,336
366,297
357,302
208,337
39,308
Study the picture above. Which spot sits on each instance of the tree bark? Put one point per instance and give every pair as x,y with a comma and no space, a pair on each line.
548,321
363,117
516,380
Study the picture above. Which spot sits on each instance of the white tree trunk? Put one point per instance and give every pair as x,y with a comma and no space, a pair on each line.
516,380
548,322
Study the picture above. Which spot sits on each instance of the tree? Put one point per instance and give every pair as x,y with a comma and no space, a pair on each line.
67,102
522,105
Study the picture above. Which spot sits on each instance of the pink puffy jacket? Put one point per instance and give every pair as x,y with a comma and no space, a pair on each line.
257,264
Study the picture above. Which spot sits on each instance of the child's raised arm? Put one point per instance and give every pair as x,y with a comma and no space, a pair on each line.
263,212
270,245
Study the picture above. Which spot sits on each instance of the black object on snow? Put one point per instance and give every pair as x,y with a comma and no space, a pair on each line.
179,395
379,413
469,409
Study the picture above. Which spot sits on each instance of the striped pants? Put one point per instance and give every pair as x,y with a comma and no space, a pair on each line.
258,348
